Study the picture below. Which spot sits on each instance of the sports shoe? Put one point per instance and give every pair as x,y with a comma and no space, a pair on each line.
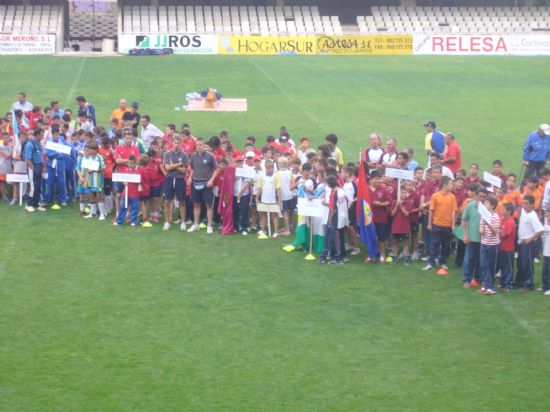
89,216
193,228
13,202
209,230
42,204
166,226
429,266
41,209
547,293
133,225
536,260
444,267
101,217
261,233
30,209
382,260
322,261
407,261
490,292
183,227
335,262
115,224
177,222
275,235
355,251
474,283
540,289
244,233
64,204
415,256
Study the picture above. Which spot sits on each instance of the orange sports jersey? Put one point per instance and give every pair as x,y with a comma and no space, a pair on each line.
536,193
442,206
513,197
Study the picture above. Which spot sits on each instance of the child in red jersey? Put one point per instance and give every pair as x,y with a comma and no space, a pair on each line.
131,191
144,189
474,175
156,178
400,226
412,203
381,200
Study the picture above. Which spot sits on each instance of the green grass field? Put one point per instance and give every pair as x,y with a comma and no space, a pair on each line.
100,318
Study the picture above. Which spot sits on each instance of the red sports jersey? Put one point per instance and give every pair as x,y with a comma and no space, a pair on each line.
400,224
155,174
145,182
132,188
379,213
109,159
508,241
413,202
189,146
124,152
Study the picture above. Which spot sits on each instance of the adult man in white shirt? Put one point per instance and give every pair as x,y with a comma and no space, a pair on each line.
149,131
23,105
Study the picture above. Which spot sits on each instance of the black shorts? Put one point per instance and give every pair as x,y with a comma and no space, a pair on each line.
155,191
107,186
382,231
400,236
289,204
174,188
205,195
414,227
253,201
144,198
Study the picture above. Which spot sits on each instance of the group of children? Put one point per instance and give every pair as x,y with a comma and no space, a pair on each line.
258,190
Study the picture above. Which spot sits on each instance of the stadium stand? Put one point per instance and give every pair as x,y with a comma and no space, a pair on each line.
246,20
465,20
37,19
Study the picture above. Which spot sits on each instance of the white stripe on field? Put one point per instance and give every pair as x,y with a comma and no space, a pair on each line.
75,82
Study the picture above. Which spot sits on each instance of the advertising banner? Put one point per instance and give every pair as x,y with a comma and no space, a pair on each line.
180,43
375,44
472,45
267,45
27,44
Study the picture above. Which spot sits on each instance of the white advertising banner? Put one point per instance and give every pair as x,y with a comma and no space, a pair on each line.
27,44
180,43
482,45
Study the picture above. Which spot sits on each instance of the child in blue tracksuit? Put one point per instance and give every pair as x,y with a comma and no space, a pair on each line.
55,182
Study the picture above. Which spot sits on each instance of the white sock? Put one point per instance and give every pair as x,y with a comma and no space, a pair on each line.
82,206
94,208
101,206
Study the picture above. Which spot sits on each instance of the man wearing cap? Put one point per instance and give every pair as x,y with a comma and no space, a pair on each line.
536,150
118,113
132,118
434,141
87,108
149,131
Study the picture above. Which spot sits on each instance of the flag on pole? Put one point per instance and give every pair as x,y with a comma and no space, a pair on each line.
16,142
367,231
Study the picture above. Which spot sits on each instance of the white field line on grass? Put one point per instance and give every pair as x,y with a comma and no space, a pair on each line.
289,97
525,325
75,82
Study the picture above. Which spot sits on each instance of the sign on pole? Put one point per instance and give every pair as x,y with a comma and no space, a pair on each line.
310,207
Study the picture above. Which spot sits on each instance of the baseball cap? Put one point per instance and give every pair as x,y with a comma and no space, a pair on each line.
250,154
430,123
239,158
545,127
135,105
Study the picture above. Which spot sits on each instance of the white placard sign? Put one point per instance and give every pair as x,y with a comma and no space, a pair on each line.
57,147
484,212
268,207
245,172
400,173
126,177
310,207
90,164
15,178
492,179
